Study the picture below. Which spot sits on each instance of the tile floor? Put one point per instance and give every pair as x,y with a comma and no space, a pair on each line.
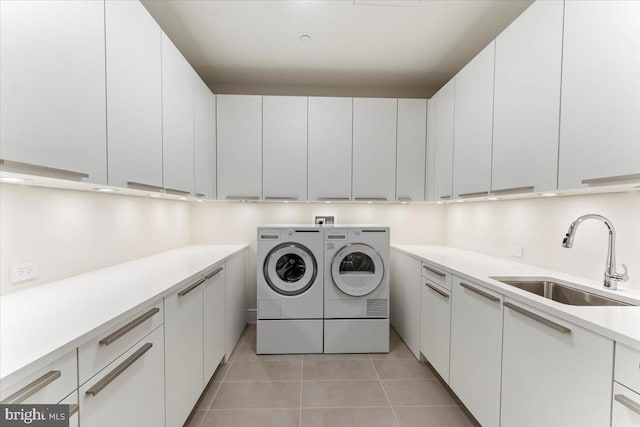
342,390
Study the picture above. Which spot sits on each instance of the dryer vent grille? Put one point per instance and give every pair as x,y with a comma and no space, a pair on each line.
377,307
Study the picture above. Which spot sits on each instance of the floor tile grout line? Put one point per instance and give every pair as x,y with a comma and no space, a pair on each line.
395,416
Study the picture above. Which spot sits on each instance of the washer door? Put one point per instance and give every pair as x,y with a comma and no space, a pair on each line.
290,269
357,269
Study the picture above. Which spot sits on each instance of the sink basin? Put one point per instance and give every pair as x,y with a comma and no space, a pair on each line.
557,292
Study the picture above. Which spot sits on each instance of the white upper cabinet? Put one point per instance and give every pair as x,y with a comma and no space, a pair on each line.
600,126
204,138
431,151
474,126
52,80
177,120
443,141
330,145
374,148
134,95
239,140
284,141
412,141
527,101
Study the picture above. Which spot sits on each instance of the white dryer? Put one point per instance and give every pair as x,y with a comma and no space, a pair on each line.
289,289
356,289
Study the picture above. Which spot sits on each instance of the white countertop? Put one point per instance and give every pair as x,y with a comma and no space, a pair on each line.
40,324
620,323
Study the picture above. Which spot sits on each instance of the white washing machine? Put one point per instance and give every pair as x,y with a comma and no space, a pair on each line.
356,289
290,289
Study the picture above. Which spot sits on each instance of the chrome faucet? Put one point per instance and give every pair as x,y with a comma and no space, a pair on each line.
611,276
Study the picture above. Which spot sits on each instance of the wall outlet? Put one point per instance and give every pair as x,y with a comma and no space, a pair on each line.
24,271
516,251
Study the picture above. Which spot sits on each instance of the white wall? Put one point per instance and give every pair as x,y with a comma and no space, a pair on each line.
539,225
237,223
72,232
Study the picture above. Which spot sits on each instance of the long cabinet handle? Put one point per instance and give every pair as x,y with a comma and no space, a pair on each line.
213,273
370,198
175,191
100,385
438,291
610,179
405,199
32,388
199,194
190,288
129,326
480,292
553,325
630,404
328,199
12,166
513,190
476,194
143,186
434,271
280,198
445,197
242,197
73,408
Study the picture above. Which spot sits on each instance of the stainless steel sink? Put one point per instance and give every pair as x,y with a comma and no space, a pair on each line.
557,292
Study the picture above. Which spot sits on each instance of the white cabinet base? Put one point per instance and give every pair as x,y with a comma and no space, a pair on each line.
289,336
356,336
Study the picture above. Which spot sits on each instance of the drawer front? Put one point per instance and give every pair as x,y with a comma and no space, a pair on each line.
626,407
436,327
627,371
47,385
74,408
130,391
95,355
436,275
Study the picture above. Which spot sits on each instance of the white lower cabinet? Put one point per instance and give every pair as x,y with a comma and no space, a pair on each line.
236,291
626,407
74,413
213,299
476,350
183,328
435,326
554,373
405,299
130,391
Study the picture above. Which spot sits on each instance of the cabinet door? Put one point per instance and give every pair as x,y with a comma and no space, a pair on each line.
527,101
412,141
436,327
52,78
443,156
476,350
177,120
330,145
133,398
214,315
204,138
374,148
405,299
183,331
284,142
431,150
600,130
134,95
473,132
236,288
565,363
626,407
239,139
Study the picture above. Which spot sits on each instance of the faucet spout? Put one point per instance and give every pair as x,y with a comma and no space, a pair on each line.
611,276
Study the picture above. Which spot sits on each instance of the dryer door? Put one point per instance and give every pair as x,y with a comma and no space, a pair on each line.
357,269
290,269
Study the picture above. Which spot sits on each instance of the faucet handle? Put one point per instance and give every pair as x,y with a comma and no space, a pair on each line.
624,276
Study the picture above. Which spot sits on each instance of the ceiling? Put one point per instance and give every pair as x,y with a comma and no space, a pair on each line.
406,46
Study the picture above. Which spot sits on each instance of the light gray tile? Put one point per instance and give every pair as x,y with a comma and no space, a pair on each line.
338,370
249,334
402,369
196,419
258,395
333,394
348,417
397,350
417,392
218,375
207,398
252,418
277,370
433,416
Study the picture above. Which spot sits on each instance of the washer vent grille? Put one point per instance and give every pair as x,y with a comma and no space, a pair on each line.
377,307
